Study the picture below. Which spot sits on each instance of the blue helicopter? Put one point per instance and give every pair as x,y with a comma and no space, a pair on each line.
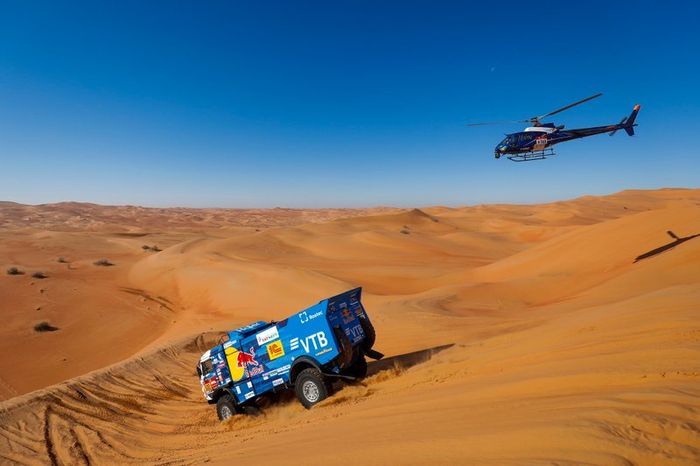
536,141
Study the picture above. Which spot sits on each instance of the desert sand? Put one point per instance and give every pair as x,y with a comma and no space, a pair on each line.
561,333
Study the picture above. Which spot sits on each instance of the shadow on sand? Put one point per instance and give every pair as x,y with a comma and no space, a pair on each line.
405,360
676,241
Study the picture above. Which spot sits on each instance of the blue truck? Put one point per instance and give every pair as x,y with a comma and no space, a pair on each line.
307,351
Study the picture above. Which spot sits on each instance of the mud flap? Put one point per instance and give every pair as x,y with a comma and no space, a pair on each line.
374,354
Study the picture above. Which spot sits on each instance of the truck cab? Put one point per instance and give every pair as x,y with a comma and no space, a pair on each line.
306,351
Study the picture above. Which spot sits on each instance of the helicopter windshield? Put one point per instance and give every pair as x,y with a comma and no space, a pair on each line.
509,139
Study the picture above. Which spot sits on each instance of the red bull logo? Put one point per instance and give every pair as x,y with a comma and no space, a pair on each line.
244,358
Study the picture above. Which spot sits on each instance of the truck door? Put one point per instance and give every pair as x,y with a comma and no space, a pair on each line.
267,357
238,367
257,361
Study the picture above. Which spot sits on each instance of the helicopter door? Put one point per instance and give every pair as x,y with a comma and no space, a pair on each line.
540,142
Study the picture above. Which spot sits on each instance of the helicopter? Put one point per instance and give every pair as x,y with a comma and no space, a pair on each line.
536,141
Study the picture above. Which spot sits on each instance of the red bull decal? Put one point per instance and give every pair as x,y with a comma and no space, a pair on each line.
246,358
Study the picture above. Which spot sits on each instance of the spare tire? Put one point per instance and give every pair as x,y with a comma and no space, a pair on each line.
370,335
358,368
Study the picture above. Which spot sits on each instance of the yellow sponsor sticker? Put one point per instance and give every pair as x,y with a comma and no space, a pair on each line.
275,350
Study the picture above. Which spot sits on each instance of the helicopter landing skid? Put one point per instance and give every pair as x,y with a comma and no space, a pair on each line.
534,155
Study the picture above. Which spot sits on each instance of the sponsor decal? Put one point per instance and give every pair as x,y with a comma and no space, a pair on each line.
240,362
315,341
244,359
347,316
275,350
267,335
354,332
278,371
255,371
249,395
277,382
304,316
327,350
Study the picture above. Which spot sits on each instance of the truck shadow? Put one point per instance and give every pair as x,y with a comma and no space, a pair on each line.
405,360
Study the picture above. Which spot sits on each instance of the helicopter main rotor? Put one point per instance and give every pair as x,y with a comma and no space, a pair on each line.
536,120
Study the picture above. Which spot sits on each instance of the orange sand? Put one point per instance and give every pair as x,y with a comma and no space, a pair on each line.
513,334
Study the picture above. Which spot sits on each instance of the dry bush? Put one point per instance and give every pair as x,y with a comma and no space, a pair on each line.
14,271
103,263
39,275
44,327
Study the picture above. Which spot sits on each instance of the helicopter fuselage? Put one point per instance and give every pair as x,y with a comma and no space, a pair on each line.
536,139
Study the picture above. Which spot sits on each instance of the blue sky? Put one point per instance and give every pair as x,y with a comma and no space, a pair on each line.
317,104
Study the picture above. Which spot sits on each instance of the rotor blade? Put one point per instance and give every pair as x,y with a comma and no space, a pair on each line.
496,122
568,106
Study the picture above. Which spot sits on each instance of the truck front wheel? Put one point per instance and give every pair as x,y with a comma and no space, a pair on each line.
225,407
310,387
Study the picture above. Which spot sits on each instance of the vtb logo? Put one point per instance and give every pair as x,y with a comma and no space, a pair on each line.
315,341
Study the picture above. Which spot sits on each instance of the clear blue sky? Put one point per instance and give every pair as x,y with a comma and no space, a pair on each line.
308,104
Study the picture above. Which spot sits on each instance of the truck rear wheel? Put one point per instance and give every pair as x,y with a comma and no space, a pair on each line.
225,407
310,387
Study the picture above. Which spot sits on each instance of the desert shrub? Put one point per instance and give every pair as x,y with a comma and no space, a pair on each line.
44,327
153,248
146,247
14,271
405,231
62,260
156,248
39,275
103,263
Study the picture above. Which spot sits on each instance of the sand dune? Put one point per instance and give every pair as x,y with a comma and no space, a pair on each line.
514,335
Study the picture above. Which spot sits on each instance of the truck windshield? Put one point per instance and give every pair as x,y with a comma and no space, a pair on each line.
206,367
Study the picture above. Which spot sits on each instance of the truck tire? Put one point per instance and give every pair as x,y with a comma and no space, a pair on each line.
370,334
225,407
358,368
310,387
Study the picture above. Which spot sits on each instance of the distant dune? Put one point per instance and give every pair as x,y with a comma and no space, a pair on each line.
514,334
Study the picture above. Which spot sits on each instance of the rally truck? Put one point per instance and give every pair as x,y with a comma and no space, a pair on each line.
307,351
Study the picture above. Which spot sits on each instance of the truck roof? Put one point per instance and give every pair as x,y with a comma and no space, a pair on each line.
242,332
